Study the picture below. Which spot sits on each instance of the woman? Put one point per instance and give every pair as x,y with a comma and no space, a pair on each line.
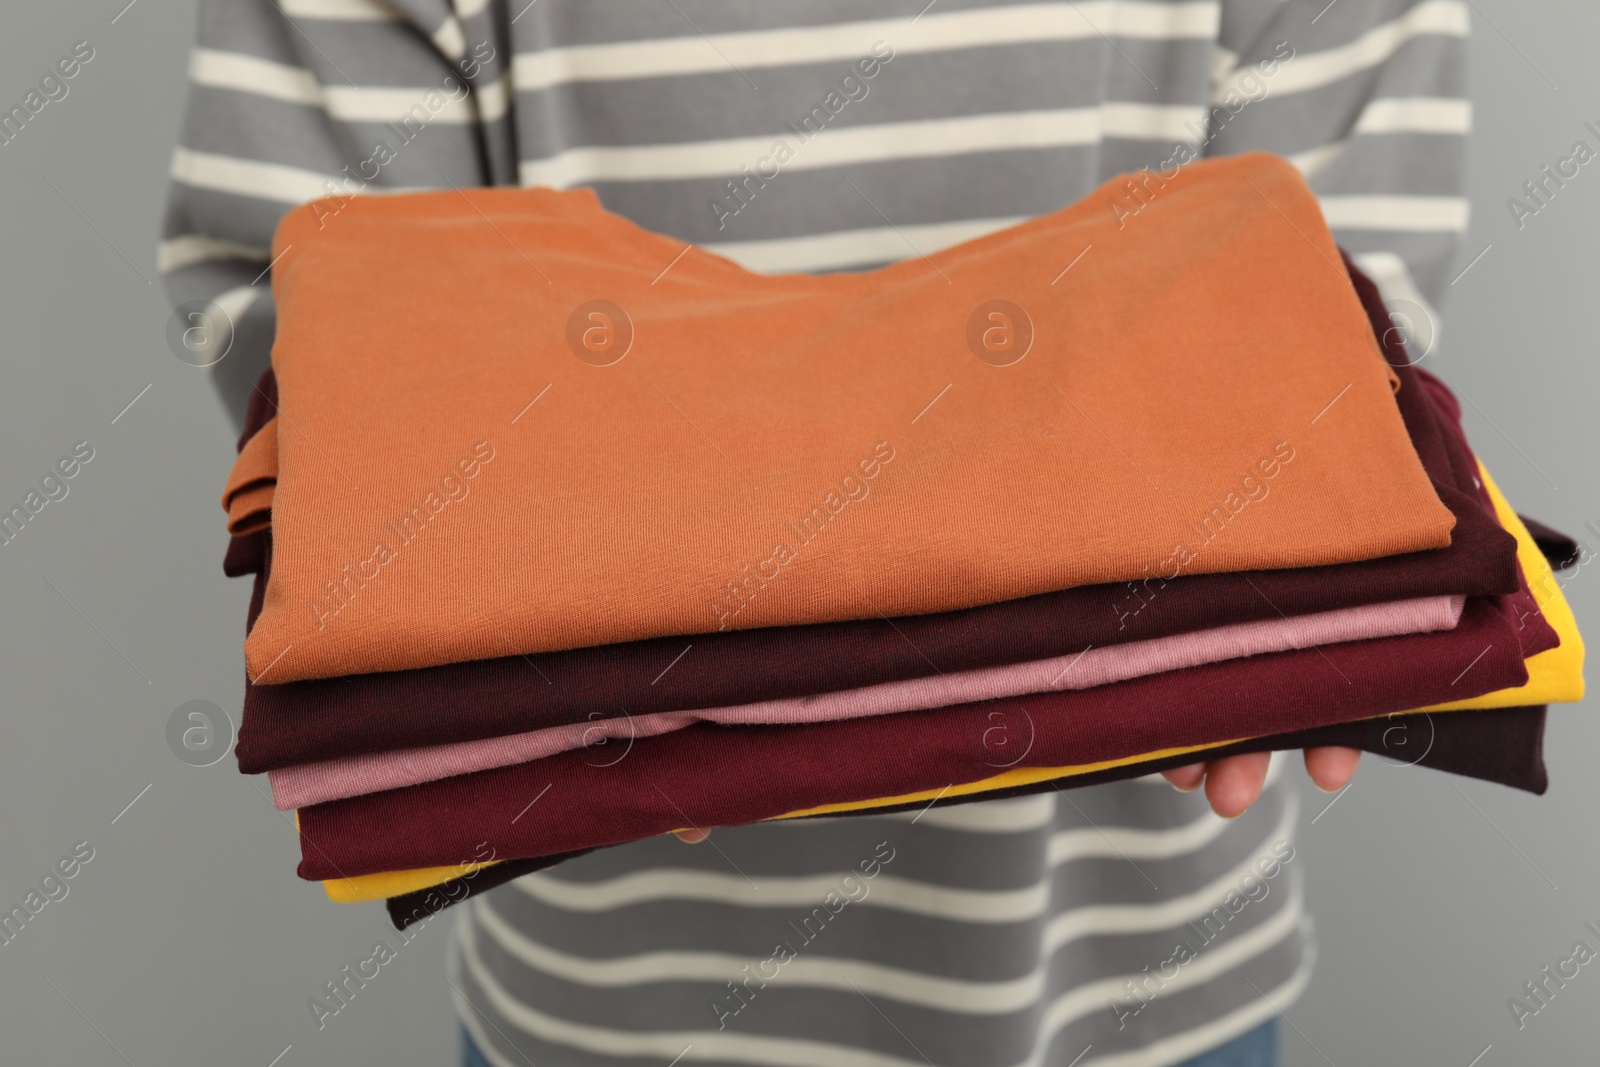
817,136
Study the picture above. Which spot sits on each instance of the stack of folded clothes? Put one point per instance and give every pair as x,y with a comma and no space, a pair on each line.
566,534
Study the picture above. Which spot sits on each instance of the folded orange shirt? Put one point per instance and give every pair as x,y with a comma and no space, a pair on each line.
515,422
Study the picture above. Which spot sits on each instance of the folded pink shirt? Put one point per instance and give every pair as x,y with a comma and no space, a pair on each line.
313,783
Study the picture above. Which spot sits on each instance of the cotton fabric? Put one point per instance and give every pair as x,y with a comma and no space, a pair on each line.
379,562
1503,745
707,775
295,787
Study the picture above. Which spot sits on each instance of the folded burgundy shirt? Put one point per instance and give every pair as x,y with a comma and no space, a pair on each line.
1502,745
301,722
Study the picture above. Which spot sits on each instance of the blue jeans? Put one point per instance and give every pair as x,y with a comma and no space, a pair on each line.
1258,1048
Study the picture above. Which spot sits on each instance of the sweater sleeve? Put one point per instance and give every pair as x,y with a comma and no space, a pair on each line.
1368,99
294,101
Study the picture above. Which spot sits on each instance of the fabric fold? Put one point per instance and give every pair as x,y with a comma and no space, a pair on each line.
1504,746
708,775
305,784
252,480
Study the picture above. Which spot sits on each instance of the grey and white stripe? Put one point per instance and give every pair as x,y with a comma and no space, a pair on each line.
1002,938
1002,932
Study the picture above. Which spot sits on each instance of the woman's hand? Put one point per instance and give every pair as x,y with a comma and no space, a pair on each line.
1233,783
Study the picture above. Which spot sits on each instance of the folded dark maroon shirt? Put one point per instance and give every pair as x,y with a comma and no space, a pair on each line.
301,722
1562,550
1503,745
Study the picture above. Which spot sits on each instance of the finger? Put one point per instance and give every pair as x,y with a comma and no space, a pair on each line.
693,837
1186,779
1233,783
1332,766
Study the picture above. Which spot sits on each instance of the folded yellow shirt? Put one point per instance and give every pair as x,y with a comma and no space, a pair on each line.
1554,677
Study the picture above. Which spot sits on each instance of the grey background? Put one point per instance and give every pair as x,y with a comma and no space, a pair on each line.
188,940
